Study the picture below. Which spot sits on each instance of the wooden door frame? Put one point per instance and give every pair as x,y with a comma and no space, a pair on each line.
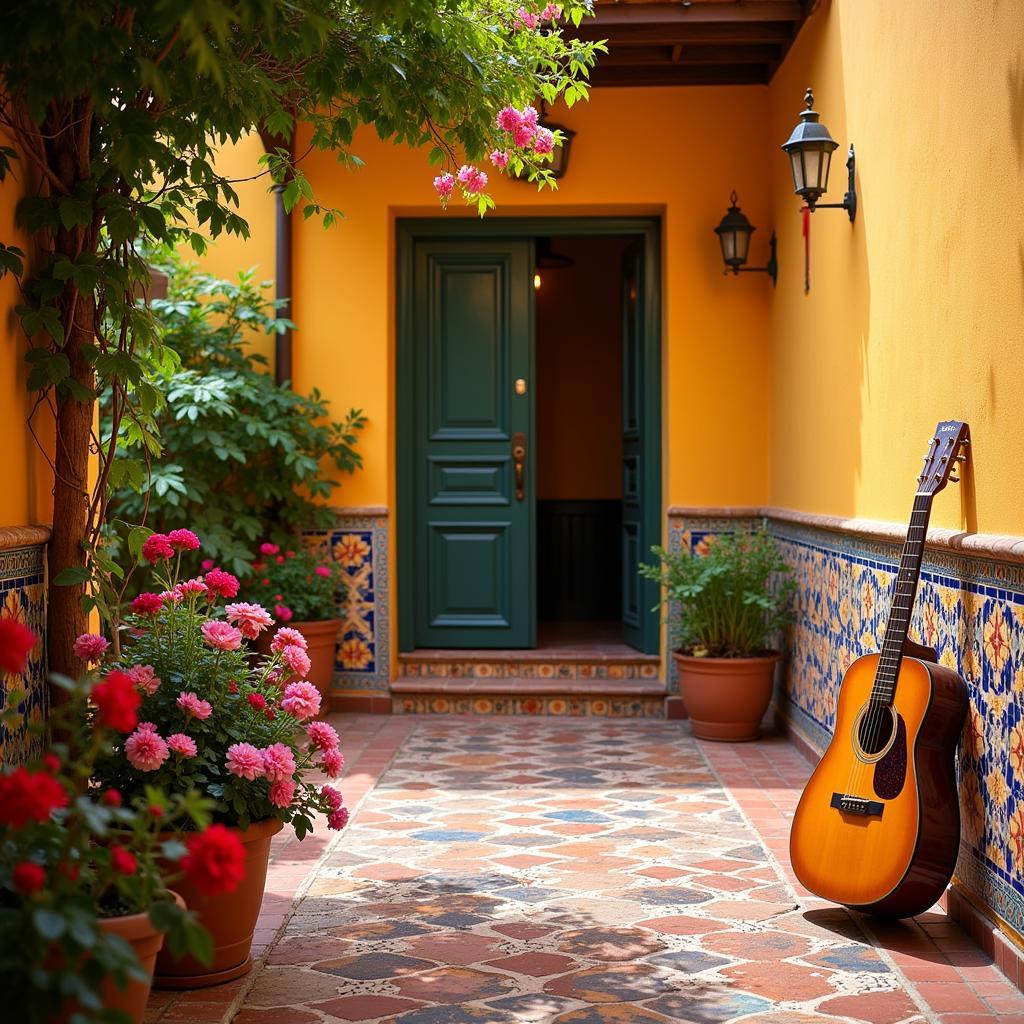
413,229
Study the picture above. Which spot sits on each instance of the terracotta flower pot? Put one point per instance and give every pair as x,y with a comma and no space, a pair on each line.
146,941
726,698
230,918
322,638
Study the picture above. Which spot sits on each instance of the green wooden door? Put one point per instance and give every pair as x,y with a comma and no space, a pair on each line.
640,461
472,465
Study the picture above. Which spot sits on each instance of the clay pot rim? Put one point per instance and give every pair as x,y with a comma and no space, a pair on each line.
135,926
313,623
720,664
253,834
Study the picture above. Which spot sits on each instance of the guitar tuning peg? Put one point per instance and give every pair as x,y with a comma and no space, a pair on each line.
961,458
954,479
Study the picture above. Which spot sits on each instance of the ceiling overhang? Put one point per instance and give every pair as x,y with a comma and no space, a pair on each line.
700,42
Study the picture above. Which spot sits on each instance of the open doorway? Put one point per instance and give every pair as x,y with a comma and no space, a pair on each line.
578,302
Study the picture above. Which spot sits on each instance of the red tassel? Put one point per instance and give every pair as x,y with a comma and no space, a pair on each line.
806,231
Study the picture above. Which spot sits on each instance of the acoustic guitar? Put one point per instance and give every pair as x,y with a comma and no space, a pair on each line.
878,825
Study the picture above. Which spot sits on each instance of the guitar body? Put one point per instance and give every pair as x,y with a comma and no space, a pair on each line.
878,825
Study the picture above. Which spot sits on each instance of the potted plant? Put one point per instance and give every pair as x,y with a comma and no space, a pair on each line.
238,729
303,589
84,905
732,602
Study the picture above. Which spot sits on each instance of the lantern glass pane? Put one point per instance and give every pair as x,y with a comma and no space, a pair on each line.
797,166
812,170
742,245
827,166
728,240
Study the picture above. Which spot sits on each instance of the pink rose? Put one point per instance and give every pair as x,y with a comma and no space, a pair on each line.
333,763
283,612
251,619
221,635
157,548
297,660
192,588
332,797
245,761
282,792
222,583
301,700
278,762
286,636
146,750
269,549
143,677
183,540
193,706
338,819
182,745
147,604
90,647
322,735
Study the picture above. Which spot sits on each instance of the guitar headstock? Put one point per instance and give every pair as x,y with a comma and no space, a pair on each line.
945,450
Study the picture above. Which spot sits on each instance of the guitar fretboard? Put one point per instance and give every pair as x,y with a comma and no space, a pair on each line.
904,593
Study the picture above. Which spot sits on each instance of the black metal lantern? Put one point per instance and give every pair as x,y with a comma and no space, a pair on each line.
560,154
810,150
734,233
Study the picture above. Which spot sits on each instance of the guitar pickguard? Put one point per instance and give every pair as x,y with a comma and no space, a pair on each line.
891,770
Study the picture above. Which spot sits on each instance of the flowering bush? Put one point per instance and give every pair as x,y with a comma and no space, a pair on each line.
214,717
72,853
297,584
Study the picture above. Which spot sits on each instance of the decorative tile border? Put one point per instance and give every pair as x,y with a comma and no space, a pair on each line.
574,706
432,669
359,543
970,609
23,597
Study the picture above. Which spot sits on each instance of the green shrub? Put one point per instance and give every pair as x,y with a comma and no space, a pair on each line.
243,458
732,600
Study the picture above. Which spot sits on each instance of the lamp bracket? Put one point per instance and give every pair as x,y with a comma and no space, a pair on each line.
771,268
849,203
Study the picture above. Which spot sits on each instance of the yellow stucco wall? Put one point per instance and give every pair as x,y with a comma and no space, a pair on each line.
672,152
914,313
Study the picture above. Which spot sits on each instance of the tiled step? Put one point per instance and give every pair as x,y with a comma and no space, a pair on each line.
599,664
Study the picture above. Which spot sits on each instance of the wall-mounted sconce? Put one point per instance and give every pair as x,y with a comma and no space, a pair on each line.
734,233
810,150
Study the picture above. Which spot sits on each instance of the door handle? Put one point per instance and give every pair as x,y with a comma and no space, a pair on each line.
519,463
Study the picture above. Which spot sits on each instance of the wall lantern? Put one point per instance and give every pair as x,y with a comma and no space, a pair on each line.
734,233
559,162
810,150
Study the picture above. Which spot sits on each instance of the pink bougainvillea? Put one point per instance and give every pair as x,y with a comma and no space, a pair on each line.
472,178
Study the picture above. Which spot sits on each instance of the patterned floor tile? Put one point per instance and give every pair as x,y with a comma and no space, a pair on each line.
568,873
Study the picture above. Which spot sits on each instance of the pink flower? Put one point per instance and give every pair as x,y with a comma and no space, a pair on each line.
297,660
145,727
245,761
157,548
551,13
221,636
193,706
473,179
285,637
322,735
322,570
182,745
183,540
170,597
283,612
338,819
269,549
90,647
278,762
333,763
527,19
146,750
332,797
543,141
192,588
257,701
529,116
222,583
508,119
282,792
301,700
524,133
499,158
142,676
444,184
147,604
251,619
206,563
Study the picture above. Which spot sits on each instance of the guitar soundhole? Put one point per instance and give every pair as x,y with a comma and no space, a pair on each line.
875,730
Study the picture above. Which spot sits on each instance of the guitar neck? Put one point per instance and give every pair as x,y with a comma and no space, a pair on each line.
903,596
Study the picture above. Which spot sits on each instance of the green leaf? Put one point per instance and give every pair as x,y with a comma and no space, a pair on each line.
48,923
72,576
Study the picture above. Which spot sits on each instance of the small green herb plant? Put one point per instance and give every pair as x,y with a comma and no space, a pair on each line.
732,600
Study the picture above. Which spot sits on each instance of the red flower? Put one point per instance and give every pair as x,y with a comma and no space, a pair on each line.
222,583
123,861
183,540
70,870
16,641
232,687
147,604
28,877
29,796
111,797
258,701
215,862
117,701
157,548
155,811
52,762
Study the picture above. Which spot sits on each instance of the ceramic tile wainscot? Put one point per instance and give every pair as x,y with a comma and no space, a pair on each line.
971,610
23,598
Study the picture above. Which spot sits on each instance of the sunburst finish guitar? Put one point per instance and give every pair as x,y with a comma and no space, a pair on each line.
878,825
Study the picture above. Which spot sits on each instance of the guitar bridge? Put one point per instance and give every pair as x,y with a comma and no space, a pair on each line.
857,805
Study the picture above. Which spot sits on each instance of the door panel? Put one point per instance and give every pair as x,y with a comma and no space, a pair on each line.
472,327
